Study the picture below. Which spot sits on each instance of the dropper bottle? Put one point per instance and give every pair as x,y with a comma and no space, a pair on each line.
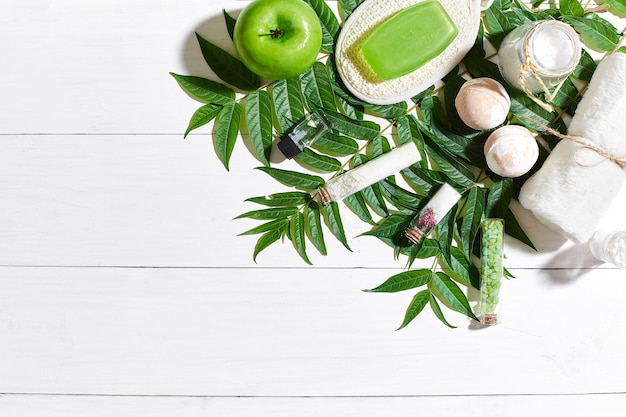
312,127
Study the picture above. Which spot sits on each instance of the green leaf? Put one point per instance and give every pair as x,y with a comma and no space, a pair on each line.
472,215
456,172
298,236
513,229
346,7
278,224
616,7
330,24
595,33
499,198
226,131
408,130
586,66
227,67
320,162
230,23
446,230
401,198
567,95
266,240
390,227
333,220
422,180
258,117
571,8
456,145
333,144
268,214
444,288
356,202
350,110
288,103
461,268
288,199
314,230
202,116
374,197
415,307
404,281
205,90
378,146
523,106
499,23
316,88
357,129
293,178
434,305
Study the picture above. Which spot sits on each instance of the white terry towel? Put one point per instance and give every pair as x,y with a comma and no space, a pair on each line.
575,186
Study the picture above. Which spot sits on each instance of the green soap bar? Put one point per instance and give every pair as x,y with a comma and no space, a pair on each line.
409,39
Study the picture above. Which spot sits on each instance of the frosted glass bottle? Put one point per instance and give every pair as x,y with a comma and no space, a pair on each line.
539,55
609,246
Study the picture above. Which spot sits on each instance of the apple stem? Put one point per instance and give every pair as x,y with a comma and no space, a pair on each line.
274,33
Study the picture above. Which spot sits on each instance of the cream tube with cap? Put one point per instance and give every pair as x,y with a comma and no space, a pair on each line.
379,168
444,199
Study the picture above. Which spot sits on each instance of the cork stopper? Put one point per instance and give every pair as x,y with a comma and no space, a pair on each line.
490,319
324,196
414,235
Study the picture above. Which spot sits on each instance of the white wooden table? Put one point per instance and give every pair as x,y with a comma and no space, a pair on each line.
125,290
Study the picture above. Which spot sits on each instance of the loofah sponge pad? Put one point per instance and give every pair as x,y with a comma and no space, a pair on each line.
361,80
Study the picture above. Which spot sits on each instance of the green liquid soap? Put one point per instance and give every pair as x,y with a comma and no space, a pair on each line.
409,39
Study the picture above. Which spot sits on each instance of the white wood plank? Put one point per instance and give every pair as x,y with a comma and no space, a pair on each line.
103,67
289,332
448,406
159,200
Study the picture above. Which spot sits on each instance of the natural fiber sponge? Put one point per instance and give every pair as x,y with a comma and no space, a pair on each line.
482,103
511,151
360,78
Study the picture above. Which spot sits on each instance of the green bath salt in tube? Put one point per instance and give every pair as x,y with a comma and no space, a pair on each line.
491,269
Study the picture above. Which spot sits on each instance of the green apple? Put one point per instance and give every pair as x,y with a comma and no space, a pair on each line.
278,39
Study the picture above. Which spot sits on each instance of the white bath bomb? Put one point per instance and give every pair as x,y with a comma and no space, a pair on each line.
482,103
511,151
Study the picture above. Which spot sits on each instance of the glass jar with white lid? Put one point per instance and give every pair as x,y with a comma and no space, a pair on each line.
537,56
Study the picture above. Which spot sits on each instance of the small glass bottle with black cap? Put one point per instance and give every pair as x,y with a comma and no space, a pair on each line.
311,128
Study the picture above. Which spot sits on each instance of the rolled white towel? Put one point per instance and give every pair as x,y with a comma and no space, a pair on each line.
574,188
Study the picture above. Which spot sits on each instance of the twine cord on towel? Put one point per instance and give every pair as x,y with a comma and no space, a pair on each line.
529,67
620,161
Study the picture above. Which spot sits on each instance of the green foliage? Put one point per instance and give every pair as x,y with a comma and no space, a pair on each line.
451,152
205,90
259,123
330,24
346,7
617,7
596,33
227,67
226,131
